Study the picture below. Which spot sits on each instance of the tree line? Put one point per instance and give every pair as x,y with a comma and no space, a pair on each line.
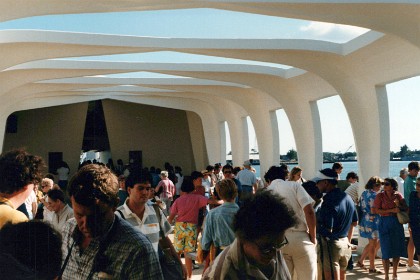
404,151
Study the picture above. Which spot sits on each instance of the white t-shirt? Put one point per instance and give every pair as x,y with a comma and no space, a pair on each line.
28,204
400,182
296,197
63,173
207,184
179,183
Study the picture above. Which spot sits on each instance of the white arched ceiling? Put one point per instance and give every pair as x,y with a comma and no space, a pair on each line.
356,70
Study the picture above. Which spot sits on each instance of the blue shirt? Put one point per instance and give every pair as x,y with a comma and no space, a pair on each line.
337,213
246,177
409,186
414,212
218,227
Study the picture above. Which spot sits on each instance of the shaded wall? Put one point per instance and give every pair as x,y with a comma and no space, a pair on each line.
52,129
161,134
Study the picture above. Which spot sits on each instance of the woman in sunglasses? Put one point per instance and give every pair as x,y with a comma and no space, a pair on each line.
259,226
391,233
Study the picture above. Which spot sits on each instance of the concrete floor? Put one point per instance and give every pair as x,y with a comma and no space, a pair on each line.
355,274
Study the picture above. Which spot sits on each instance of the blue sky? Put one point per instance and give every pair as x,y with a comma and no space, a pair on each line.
209,23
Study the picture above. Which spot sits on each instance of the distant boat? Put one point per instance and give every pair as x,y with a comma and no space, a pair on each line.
254,158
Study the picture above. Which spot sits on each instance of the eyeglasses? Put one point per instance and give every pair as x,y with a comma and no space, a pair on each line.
269,249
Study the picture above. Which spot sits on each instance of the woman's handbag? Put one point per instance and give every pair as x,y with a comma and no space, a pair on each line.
403,217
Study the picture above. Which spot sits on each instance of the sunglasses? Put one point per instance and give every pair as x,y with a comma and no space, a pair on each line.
227,172
266,250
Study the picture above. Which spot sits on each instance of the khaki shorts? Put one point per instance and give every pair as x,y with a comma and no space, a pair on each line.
185,239
339,250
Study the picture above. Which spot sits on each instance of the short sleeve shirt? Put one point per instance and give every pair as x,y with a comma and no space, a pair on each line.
149,225
409,186
295,196
337,213
247,177
384,202
187,207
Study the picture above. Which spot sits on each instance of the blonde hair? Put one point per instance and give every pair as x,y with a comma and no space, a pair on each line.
295,170
47,182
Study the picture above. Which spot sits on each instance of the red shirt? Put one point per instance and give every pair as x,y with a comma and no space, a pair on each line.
382,201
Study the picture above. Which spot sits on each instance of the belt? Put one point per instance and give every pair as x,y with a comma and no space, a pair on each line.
334,238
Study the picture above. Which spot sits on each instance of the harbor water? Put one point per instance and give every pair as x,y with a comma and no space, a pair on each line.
394,168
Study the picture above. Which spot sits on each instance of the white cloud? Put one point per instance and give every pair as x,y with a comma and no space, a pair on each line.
332,31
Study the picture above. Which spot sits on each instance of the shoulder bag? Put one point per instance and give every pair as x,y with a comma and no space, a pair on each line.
403,217
170,265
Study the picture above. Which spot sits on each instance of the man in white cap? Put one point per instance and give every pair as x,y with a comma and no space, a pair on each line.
336,216
248,180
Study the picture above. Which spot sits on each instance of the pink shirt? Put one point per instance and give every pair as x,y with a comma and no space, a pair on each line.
187,207
168,188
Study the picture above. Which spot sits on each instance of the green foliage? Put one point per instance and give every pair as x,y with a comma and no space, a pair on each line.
292,154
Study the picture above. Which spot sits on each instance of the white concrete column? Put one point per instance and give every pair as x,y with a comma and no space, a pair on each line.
197,139
306,126
276,139
385,133
222,131
262,126
3,121
237,140
364,114
245,145
317,134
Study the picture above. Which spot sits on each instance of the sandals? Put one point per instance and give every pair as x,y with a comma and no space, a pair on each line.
377,271
361,265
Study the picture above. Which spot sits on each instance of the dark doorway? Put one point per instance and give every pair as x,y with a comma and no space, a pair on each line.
95,137
135,158
54,159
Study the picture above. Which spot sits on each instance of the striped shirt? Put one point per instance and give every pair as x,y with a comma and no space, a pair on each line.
128,254
168,188
353,192
149,225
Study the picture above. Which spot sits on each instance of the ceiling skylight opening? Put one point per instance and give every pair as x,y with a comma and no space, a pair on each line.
190,23
140,74
173,57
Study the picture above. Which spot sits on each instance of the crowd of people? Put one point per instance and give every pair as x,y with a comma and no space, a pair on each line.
114,222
